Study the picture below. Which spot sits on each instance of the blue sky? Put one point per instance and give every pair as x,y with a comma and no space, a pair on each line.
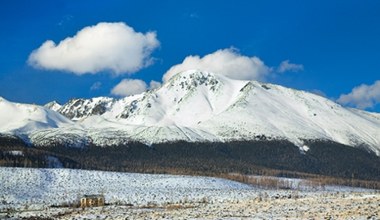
335,44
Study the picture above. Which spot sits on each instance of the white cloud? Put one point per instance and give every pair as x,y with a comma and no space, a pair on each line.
112,47
286,66
96,86
225,61
154,84
129,87
363,96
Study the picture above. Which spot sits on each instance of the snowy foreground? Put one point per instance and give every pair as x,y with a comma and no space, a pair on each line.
26,192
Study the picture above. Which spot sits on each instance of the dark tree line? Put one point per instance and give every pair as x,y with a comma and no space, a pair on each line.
280,158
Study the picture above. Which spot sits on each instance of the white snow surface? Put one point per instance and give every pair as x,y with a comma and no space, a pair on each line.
16,118
45,187
199,106
54,105
36,189
30,193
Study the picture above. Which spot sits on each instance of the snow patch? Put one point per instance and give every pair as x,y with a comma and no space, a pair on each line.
15,153
305,148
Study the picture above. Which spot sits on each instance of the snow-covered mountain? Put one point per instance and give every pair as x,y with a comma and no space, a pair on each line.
203,106
23,119
77,109
53,105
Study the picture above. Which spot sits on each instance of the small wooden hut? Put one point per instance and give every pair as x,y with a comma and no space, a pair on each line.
92,200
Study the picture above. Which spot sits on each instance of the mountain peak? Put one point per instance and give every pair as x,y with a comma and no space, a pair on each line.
193,74
53,105
77,109
25,118
203,106
191,79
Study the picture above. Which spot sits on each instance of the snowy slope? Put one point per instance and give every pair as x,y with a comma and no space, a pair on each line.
34,193
77,109
23,119
57,186
203,106
53,105
41,188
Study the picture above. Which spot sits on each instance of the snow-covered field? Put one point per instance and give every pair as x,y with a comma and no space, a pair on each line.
22,187
26,192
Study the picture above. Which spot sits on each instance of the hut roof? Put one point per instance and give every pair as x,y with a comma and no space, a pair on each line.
93,196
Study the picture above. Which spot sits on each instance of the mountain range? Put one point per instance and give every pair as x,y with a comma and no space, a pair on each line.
194,106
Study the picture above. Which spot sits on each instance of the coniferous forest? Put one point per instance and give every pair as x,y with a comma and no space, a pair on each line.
276,158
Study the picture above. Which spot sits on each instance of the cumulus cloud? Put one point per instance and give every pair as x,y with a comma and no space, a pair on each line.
225,61
154,84
114,47
286,66
363,96
129,87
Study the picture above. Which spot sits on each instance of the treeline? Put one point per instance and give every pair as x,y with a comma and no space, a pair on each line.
30,157
310,181
272,158
15,153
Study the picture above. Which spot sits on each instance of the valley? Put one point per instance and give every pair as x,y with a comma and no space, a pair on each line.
189,110
202,145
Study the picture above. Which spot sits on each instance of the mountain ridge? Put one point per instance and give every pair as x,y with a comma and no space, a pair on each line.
198,106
